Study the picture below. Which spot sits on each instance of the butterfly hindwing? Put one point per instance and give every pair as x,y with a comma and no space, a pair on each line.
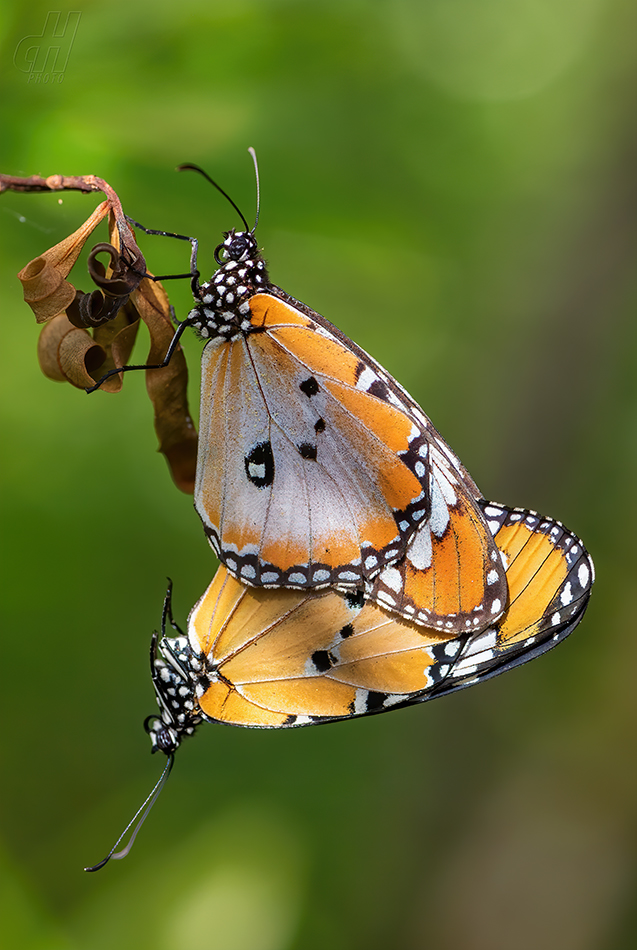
453,577
293,657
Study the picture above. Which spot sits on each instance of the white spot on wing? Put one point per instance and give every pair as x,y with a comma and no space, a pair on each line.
360,701
487,640
419,551
256,470
439,518
348,576
366,379
391,578
297,578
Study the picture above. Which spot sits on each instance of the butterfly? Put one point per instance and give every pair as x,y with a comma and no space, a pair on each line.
315,469
288,658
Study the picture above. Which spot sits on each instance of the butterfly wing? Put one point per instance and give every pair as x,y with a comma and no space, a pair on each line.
453,577
315,469
550,577
291,658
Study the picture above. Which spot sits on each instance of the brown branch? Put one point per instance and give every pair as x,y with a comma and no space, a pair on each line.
84,183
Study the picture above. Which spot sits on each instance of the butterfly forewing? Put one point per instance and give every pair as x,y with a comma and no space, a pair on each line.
300,477
327,468
291,658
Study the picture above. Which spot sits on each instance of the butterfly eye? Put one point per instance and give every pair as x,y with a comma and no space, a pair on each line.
162,737
221,254
241,246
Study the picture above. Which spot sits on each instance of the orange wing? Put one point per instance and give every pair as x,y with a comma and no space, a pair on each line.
291,658
301,480
315,469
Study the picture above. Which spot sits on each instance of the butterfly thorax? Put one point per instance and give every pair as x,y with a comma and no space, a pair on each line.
175,672
224,309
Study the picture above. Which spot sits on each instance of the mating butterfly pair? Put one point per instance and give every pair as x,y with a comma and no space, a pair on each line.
361,568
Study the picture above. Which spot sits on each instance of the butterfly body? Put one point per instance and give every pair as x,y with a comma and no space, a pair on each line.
316,469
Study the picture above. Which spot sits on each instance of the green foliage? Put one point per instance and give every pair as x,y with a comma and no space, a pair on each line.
448,182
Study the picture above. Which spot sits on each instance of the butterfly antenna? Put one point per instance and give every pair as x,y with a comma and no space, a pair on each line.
196,168
256,175
143,810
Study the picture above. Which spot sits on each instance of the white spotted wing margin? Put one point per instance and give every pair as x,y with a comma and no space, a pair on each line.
281,659
530,627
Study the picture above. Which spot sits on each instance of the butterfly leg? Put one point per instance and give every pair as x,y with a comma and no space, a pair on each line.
194,243
167,612
125,369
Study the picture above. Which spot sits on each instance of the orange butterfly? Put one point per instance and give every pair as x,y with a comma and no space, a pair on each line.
315,468
286,658
291,658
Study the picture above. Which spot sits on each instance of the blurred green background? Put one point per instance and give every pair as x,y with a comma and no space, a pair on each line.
451,182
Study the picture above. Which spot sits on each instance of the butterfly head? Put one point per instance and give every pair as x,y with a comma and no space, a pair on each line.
223,307
174,671
239,246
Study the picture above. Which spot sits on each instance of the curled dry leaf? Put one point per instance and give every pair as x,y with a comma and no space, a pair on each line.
100,306
68,354
124,295
117,337
167,387
44,283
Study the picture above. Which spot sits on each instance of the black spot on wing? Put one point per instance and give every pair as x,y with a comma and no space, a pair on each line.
259,465
307,451
375,700
379,389
323,660
319,426
346,631
309,386
360,369
355,600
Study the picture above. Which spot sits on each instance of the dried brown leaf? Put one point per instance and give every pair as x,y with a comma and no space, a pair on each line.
167,387
45,290
117,337
44,283
67,354
80,358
